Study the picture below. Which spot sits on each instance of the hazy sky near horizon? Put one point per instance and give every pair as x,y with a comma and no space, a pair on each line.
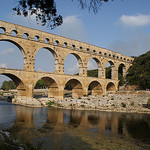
122,26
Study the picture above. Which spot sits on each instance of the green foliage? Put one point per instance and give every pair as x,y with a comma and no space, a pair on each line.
50,103
132,104
40,84
148,103
45,11
108,72
139,72
8,85
92,73
123,104
121,80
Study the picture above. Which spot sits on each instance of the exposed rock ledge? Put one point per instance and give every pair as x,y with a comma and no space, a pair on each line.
118,102
31,102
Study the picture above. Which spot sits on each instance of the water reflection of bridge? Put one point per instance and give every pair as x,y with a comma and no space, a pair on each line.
102,122
51,124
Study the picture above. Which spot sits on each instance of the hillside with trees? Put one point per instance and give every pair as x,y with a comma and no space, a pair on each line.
139,72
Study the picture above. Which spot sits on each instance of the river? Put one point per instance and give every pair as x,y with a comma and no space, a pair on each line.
58,129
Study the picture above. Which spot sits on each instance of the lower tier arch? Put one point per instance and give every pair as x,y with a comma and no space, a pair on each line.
75,87
96,88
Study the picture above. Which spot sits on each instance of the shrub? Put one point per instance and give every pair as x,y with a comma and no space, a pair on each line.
112,98
50,103
132,104
79,98
123,104
148,103
83,106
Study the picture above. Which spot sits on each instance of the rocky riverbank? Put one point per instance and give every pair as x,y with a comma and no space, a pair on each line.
134,101
6,96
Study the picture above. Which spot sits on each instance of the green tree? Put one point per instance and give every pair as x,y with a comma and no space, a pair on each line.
108,72
46,11
8,85
139,72
40,84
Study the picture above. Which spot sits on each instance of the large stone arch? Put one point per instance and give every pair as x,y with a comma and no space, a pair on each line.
110,87
96,88
122,69
51,85
55,55
20,86
76,87
113,70
80,62
99,65
16,44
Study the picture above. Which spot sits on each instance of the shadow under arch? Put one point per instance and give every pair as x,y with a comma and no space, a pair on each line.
51,86
75,87
55,56
110,87
21,90
96,88
80,63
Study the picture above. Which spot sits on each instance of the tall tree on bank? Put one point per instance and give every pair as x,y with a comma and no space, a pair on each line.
8,85
45,11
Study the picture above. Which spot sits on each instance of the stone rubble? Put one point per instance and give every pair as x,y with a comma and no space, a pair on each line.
118,102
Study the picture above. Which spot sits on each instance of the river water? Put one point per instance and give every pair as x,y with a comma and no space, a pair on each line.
58,129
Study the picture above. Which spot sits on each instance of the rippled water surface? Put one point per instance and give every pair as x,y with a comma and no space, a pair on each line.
58,129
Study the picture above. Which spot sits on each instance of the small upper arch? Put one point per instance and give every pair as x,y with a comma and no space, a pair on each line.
46,40
36,38
14,32
25,35
56,42
65,44
73,47
2,30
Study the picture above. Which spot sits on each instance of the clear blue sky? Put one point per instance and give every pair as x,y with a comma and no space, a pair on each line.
122,26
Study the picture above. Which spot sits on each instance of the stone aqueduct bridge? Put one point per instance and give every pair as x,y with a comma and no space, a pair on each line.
29,41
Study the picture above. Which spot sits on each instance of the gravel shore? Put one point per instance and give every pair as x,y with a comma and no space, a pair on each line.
117,102
122,101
